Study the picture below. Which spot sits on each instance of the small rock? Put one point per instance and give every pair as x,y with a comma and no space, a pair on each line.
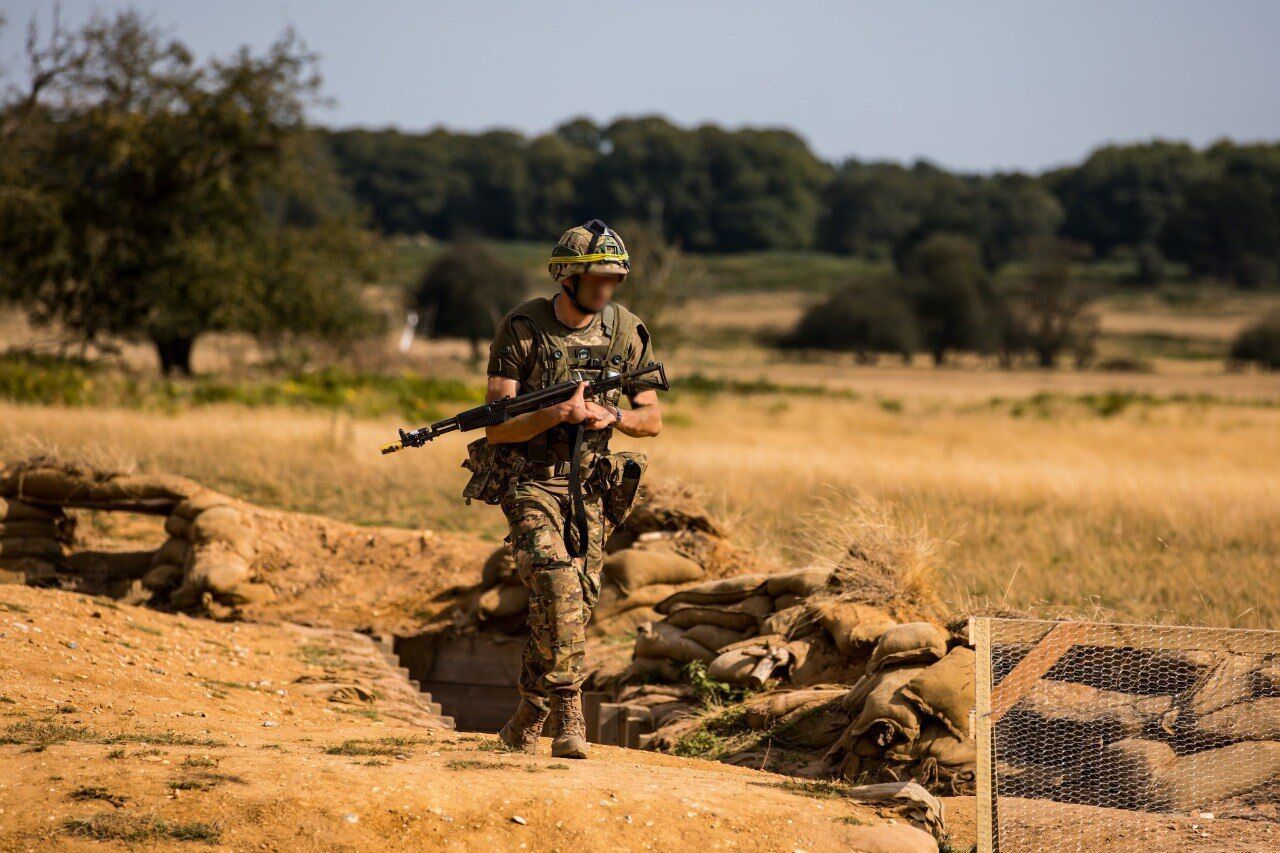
517,819
351,818
71,644
270,723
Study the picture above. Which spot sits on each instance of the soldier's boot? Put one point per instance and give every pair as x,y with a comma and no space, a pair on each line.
570,727
521,731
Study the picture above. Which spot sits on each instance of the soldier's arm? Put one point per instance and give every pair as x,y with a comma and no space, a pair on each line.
644,418
526,426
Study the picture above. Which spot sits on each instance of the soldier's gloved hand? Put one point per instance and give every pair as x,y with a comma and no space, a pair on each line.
573,410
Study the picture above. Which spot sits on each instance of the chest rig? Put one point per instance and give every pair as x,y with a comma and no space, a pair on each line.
556,359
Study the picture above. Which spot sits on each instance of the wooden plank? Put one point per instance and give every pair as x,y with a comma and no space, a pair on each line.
612,716
637,721
986,830
1247,641
1023,677
591,700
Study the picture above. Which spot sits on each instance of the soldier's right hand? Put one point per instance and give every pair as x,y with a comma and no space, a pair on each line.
573,410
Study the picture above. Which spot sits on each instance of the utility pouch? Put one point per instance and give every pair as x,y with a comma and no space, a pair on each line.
617,478
492,467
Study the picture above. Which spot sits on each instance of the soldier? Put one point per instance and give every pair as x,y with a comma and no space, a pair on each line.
559,512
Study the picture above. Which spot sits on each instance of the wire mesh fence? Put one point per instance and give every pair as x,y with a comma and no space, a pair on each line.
1095,736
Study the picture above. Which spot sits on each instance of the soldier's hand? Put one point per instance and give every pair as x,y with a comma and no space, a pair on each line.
573,410
598,417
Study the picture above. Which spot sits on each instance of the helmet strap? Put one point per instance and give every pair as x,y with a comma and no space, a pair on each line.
572,294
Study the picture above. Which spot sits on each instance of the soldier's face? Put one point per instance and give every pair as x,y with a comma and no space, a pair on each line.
595,290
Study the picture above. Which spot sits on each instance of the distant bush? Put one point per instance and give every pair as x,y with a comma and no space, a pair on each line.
866,320
1259,344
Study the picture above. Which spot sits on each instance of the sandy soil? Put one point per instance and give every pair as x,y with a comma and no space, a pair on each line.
139,728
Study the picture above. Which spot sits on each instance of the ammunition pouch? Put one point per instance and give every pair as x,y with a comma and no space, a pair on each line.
616,477
494,468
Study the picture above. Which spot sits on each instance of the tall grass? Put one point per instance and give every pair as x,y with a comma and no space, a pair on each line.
1159,510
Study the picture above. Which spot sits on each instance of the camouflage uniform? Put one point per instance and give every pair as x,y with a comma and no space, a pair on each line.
534,348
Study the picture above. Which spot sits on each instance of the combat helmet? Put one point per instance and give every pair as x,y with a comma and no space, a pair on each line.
590,247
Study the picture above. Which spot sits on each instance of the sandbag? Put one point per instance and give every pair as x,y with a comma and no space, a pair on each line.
662,640
765,710
854,627
19,511
787,600
945,690
197,503
149,488
1227,682
878,701
227,524
645,597
500,568
913,642
740,616
501,602
1204,778
690,617
626,622
215,567
30,570
164,576
804,582
786,621
172,550
719,592
1060,721
660,668
632,568
1266,681
176,525
49,549
43,485
733,666
1257,719
32,529
816,725
248,594
713,637
1128,772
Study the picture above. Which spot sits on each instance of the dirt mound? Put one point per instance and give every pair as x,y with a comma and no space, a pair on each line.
218,555
126,725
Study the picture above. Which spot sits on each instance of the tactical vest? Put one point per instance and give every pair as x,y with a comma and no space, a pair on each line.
554,360
496,470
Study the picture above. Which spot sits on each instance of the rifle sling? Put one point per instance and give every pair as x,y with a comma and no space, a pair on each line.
575,526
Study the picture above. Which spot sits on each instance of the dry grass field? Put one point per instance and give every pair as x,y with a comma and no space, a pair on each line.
1146,510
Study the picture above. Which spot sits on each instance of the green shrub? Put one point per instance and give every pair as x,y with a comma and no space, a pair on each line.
1259,344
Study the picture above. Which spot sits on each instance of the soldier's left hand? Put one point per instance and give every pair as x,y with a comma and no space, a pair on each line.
598,417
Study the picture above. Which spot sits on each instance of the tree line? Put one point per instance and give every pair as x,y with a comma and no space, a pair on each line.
1216,209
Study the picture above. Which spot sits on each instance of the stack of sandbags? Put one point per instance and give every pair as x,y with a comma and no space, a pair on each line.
32,541
45,481
910,712
750,629
1173,729
210,550
671,515
632,581
502,601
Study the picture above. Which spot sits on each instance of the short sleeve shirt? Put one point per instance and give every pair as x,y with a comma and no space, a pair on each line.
511,353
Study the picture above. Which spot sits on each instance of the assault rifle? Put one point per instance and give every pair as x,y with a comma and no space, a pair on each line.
500,411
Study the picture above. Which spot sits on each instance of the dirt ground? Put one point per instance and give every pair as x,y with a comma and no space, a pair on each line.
129,727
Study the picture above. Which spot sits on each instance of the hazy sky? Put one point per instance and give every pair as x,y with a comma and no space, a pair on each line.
973,85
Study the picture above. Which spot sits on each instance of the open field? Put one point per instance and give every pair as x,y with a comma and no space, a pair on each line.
1152,510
